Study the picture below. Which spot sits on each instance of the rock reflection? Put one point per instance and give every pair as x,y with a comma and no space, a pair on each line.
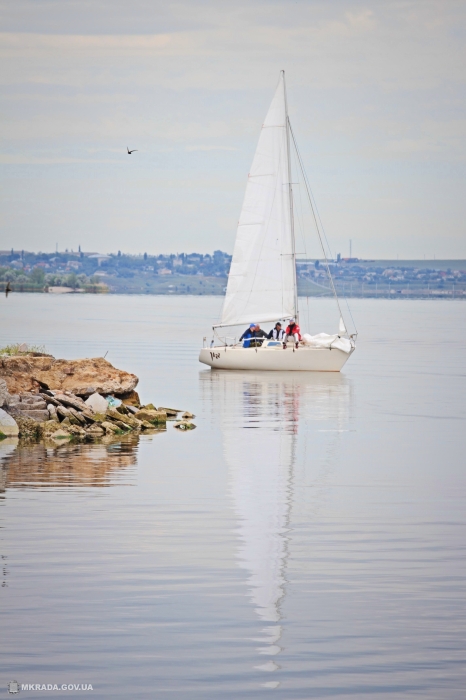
71,465
260,416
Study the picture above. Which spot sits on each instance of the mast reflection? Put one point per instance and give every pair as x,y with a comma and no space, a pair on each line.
264,419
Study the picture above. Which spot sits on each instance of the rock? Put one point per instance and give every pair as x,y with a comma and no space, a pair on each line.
29,428
70,401
170,411
145,425
23,347
77,431
66,422
49,427
3,392
60,435
39,415
151,416
121,409
150,407
128,420
52,412
131,399
63,412
82,377
90,417
97,403
8,425
187,414
36,402
95,431
121,426
13,400
184,425
109,427
77,416
132,409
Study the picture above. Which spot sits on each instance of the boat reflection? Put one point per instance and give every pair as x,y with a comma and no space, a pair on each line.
266,419
36,465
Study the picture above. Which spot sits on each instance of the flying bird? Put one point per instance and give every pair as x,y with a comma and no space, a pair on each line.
129,152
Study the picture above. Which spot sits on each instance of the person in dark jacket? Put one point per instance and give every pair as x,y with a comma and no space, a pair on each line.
254,331
249,332
277,332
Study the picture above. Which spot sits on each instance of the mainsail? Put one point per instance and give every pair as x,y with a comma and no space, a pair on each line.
262,281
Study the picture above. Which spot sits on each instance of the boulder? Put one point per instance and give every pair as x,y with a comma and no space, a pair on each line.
8,425
109,427
63,412
131,399
170,411
145,425
37,414
127,420
120,425
3,392
97,403
95,431
83,377
49,427
70,401
30,401
60,435
184,425
187,414
29,428
151,416
52,412
77,431
77,416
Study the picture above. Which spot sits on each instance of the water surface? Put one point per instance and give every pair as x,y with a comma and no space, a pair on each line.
306,540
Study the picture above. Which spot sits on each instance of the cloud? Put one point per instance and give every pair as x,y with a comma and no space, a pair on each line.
376,93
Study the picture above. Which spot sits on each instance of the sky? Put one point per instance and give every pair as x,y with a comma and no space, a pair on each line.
376,94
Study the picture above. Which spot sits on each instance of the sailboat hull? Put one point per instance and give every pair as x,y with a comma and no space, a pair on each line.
275,359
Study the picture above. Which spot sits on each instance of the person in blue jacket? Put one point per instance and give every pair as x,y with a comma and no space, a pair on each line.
254,331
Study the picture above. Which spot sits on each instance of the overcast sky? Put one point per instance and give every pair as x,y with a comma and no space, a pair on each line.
376,93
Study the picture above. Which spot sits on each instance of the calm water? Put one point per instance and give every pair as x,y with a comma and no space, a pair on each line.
306,541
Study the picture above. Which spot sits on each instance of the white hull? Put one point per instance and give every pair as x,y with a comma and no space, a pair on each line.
275,359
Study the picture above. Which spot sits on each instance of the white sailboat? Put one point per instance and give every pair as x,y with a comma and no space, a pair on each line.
262,285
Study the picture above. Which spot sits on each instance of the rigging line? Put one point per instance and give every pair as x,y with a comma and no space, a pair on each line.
321,224
312,200
313,203
300,220
316,222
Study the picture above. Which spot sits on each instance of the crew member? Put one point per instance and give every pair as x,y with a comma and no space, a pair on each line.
254,331
277,332
248,333
292,331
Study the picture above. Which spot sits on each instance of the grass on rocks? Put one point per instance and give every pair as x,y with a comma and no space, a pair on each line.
15,349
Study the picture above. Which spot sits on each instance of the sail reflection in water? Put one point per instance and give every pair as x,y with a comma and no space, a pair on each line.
267,419
70,465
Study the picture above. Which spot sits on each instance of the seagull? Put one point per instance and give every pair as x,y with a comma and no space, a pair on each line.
129,152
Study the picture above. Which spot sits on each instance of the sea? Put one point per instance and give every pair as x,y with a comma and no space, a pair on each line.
306,540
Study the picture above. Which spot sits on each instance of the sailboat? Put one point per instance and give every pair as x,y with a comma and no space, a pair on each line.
262,285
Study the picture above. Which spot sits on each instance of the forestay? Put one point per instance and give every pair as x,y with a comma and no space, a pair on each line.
262,280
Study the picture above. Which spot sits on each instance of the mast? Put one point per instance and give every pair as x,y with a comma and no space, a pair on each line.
290,194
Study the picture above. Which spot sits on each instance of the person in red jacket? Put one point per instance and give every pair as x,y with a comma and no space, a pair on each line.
294,331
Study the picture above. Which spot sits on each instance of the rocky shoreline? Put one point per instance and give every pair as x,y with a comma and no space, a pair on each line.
44,398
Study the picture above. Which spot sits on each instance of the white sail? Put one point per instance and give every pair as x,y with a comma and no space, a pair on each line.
262,281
